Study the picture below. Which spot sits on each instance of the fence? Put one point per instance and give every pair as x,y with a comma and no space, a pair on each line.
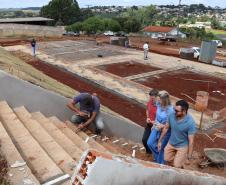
7,30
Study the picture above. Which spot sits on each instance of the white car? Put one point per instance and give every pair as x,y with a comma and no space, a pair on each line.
196,52
108,33
219,43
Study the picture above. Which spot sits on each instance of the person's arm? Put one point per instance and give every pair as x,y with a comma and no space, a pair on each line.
163,133
88,122
71,105
148,120
190,146
191,136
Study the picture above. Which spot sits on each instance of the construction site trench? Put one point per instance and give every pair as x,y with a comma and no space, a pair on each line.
121,105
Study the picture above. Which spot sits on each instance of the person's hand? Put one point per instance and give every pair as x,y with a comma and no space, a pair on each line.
80,127
188,160
82,114
148,120
159,146
160,126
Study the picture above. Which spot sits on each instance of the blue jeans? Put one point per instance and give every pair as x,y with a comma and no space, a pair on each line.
153,145
33,51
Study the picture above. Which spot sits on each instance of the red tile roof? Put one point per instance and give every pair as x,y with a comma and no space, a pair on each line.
163,29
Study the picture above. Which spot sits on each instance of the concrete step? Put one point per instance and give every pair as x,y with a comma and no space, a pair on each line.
58,136
92,143
37,159
12,155
52,148
79,142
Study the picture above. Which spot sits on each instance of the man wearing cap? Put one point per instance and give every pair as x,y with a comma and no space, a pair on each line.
88,112
183,129
150,117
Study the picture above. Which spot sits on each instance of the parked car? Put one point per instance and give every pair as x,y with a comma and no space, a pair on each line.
169,38
193,52
219,43
120,34
108,33
71,33
196,52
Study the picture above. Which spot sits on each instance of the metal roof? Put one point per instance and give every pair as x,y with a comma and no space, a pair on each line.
26,19
162,29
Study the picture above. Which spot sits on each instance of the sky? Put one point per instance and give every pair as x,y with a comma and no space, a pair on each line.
85,3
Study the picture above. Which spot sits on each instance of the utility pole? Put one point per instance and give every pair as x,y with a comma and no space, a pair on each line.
178,18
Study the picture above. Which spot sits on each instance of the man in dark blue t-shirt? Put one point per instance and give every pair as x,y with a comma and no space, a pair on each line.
183,129
88,112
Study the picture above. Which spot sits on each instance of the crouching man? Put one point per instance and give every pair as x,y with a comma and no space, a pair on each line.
180,146
88,111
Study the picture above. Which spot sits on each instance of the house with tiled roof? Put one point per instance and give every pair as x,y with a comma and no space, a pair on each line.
162,31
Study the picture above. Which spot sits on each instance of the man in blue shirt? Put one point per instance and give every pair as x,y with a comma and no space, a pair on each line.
88,112
180,145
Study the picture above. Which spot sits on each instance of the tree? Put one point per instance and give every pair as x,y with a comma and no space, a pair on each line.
19,13
62,11
112,25
93,25
215,24
76,27
132,25
150,14
86,13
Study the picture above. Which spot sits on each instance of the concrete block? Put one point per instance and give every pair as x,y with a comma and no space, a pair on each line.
37,159
51,147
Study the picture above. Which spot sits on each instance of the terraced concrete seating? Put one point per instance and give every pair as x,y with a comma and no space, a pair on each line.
12,155
51,147
92,143
74,151
37,159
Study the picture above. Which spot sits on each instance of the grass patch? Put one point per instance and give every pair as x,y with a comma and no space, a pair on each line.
217,32
19,68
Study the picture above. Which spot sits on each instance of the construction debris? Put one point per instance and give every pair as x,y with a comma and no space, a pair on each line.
18,164
115,141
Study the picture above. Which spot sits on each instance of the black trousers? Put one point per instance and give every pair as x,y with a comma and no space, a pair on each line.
147,132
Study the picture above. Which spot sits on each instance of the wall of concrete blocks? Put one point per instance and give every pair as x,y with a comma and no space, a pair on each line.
7,30
21,93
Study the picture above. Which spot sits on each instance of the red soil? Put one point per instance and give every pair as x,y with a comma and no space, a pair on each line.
187,82
127,108
127,68
121,105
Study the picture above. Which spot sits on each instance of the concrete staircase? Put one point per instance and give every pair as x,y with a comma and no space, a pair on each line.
50,149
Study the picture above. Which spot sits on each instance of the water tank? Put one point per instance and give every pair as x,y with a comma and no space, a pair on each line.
208,51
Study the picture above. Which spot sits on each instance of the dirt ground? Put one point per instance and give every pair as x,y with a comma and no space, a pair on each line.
127,68
189,83
3,170
128,109
160,47
131,110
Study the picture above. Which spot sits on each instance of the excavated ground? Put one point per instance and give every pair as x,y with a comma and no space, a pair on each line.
188,82
131,110
128,109
127,68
